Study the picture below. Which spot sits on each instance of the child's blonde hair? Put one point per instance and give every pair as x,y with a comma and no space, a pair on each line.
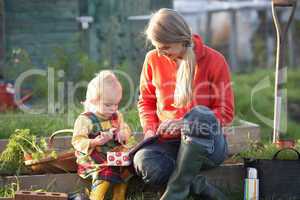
168,26
95,88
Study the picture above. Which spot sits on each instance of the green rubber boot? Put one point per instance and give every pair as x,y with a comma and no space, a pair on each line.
189,161
201,189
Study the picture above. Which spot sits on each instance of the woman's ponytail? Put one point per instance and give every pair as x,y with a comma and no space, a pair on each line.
184,80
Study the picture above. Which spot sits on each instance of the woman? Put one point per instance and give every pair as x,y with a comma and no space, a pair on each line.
185,98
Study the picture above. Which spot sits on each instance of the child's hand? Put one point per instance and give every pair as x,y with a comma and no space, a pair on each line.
121,138
101,139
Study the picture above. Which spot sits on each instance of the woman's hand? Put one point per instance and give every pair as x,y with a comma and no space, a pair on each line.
170,127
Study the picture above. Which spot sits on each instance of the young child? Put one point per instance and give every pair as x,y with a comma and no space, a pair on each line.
97,130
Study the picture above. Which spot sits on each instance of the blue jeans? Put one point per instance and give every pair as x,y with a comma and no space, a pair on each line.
155,163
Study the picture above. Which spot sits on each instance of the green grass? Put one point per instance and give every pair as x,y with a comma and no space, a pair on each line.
45,124
267,151
38,124
132,119
243,84
263,100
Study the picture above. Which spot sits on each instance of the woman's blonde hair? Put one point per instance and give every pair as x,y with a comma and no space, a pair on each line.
168,26
95,88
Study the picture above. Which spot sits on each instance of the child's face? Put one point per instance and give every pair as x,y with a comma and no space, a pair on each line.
108,103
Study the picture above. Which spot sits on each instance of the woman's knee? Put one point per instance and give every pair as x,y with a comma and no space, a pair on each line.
140,158
153,167
201,121
202,112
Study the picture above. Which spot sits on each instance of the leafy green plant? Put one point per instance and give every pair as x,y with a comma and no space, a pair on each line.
259,150
20,144
9,190
13,156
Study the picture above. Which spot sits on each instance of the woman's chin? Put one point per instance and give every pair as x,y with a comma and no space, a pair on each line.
172,58
175,58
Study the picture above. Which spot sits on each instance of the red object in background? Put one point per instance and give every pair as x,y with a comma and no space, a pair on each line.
7,93
285,143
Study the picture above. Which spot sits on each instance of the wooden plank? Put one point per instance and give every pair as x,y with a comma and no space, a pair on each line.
197,7
43,16
49,50
29,26
225,176
37,20
25,5
2,33
243,134
51,182
42,38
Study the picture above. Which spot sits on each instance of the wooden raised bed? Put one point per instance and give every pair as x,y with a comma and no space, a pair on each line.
238,137
226,176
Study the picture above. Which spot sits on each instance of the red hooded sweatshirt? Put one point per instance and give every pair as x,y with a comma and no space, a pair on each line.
211,87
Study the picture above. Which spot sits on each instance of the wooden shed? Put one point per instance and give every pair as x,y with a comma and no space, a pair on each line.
1,30
39,26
